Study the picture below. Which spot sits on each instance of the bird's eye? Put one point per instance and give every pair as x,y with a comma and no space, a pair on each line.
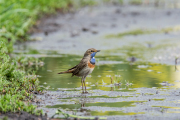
91,51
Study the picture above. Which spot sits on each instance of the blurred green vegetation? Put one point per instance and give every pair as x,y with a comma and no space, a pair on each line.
17,16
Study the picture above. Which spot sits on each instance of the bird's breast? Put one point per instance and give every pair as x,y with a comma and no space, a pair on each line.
87,70
90,65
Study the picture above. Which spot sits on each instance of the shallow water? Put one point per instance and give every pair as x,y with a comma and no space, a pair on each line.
137,74
139,83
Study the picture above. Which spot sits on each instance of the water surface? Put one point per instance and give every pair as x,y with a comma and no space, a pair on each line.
117,87
140,74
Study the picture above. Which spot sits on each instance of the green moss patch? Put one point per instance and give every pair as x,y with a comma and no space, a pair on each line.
16,85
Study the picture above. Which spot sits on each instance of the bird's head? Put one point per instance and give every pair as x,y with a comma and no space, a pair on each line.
92,52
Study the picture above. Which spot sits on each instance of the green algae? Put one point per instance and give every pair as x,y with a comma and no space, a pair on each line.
139,31
155,99
132,32
167,107
109,113
101,104
105,96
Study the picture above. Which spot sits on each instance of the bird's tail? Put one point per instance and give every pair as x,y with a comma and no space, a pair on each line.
65,72
69,70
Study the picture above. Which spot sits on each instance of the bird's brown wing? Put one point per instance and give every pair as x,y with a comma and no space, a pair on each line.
79,67
76,69
72,68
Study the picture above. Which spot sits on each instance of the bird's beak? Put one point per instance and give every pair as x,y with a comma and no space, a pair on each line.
98,50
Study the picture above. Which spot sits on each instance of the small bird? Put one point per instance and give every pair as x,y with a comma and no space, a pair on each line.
85,67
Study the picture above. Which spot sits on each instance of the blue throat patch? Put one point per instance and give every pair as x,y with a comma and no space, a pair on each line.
93,61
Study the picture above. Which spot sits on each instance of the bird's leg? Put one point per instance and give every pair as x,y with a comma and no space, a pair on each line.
82,85
85,84
85,87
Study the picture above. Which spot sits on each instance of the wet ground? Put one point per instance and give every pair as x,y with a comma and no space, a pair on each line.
135,75
138,89
21,116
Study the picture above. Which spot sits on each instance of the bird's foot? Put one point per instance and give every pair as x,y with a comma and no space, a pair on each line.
84,92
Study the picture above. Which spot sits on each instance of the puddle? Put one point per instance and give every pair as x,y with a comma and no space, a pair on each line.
105,104
128,74
99,108
106,98
117,87
110,113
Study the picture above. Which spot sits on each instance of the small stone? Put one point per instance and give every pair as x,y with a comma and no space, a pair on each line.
85,29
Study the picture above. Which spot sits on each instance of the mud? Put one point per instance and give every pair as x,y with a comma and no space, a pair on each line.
142,103
21,116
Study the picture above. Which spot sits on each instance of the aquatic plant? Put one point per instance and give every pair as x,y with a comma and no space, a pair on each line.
128,83
97,81
162,109
103,82
116,81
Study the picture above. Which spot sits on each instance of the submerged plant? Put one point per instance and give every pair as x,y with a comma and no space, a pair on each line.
162,109
116,81
97,82
128,83
103,82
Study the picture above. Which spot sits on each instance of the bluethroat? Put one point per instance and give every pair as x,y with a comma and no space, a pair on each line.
85,67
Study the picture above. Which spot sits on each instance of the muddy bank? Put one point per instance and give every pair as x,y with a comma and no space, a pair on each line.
139,103
22,116
73,33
